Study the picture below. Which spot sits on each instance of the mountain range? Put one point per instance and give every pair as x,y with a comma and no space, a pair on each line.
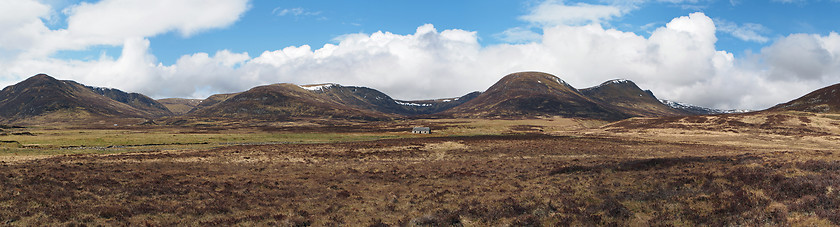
526,94
699,110
44,99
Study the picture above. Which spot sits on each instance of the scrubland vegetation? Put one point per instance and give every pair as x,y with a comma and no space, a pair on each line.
472,173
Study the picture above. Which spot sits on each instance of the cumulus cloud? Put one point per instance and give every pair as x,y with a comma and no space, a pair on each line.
432,63
804,57
750,32
22,27
27,41
677,61
108,22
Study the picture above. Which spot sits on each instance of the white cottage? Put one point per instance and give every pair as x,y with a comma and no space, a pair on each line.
421,130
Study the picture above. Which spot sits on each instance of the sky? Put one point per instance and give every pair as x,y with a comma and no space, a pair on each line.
729,54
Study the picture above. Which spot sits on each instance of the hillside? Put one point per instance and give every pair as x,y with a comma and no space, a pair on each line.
531,94
630,99
180,106
518,95
281,102
213,100
372,99
433,106
357,97
823,100
699,110
136,100
42,98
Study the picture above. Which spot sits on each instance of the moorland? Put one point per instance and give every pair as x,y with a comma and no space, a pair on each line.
514,155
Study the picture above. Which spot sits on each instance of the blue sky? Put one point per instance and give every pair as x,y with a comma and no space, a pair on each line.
717,53
265,27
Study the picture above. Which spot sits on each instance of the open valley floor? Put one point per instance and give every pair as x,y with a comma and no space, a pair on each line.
470,173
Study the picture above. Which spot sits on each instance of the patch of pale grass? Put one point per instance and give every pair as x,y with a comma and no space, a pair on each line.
445,146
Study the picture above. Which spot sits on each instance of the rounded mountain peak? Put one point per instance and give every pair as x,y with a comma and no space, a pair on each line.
39,79
617,81
42,76
533,81
532,76
615,84
319,87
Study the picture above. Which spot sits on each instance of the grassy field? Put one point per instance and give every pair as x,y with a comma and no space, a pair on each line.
542,172
36,141
22,143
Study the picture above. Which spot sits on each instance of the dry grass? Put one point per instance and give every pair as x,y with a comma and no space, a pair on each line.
576,177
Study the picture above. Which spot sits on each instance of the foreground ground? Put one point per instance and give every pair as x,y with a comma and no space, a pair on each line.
537,176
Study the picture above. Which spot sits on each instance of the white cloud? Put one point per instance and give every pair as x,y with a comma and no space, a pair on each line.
747,32
677,61
806,57
556,12
791,1
294,12
519,35
107,22
26,40
21,26
111,21
431,63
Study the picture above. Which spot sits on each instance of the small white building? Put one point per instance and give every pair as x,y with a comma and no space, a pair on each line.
421,130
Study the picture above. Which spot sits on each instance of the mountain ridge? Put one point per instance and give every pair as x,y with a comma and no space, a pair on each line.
516,95
282,102
532,94
626,96
44,97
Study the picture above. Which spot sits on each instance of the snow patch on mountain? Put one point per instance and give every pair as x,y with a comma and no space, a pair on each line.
318,87
615,81
699,109
450,100
413,104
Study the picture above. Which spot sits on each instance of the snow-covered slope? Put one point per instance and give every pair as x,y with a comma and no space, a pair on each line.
699,109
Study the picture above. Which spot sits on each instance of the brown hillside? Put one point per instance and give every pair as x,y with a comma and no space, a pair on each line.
213,100
283,102
136,100
45,97
630,99
532,94
180,106
824,100
372,99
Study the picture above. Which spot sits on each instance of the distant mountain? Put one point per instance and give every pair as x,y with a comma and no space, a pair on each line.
630,99
48,99
282,102
530,94
372,99
823,100
213,100
136,100
433,106
357,97
524,94
699,110
180,106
